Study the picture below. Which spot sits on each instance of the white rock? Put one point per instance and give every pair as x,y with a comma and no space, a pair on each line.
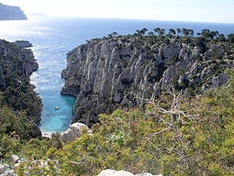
107,172
110,172
3,168
147,174
73,132
14,158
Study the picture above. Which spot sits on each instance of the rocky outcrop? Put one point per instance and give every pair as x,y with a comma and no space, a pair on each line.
23,43
109,172
122,72
11,13
12,168
73,132
8,169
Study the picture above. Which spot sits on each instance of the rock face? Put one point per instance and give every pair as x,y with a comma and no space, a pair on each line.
11,13
122,72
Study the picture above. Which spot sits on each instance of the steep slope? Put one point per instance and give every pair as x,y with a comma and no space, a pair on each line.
123,71
16,66
11,13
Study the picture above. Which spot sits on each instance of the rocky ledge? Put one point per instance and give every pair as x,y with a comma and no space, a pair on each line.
123,71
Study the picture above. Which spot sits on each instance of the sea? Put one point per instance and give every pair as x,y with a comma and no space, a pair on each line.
53,38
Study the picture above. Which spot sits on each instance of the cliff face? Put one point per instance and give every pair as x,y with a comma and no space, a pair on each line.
123,71
11,13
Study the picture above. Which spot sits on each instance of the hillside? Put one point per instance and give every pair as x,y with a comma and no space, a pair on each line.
124,71
11,13
17,97
172,135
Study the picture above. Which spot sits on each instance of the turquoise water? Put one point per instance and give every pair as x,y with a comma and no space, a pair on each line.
52,38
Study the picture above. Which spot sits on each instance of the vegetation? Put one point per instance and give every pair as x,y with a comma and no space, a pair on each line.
20,106
175,134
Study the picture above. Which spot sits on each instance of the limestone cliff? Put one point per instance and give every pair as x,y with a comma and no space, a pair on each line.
123,71
11,13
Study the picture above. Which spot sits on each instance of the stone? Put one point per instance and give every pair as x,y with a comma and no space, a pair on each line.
220,80
147,174
206,72
110,172
73,132
3,168
14,159
196,51
6,170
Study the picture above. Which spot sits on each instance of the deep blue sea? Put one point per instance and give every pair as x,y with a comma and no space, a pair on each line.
52,38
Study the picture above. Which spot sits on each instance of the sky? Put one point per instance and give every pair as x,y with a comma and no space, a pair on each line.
218,11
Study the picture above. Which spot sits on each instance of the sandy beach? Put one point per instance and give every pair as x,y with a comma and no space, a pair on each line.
47,134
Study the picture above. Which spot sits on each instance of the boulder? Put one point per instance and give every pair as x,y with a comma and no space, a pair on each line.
6,170
147,174
14,159
109,172
3,168
73,132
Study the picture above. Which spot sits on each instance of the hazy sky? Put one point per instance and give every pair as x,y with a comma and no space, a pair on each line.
177,10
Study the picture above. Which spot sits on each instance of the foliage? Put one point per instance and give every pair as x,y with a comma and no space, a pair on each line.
20,106
231,38
19,95
174,134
